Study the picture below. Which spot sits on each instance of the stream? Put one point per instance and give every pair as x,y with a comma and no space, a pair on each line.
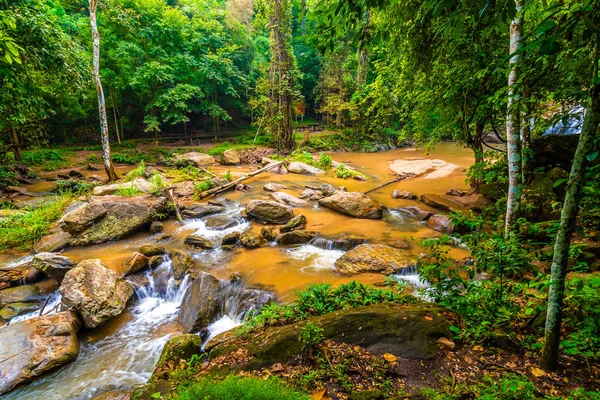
122,353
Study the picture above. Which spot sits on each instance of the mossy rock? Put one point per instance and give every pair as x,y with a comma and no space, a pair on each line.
181,347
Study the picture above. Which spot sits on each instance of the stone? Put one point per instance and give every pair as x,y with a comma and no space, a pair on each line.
52,264
415,212
269,212
109,218
327,189
194,158
184,189
156,227
37,346
201,303
231,239
374,258
96,292
295,237
139,183
296,223
15,309
251,240
182,262
197,243
201,210
401,244
305,169
355,204
312,194
273,187
456,192
137,281
441,223
269,233
150,250
400,194
53,242
155,261
135,262
220,222
35,293
177,349
443,202
290,200
359,177
231,157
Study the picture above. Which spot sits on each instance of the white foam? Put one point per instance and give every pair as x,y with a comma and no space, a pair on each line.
316,258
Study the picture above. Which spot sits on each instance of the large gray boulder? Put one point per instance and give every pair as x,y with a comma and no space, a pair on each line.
231,157
356,204
109,218
195,158
201,303
305,169
289,200
96,292
201,210
53,265
374,258
31,348
441,223
269,212
139,183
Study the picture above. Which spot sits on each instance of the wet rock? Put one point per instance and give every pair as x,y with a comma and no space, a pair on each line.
251,240
295,237
184,189
134,263
359,177
296,223
373,258
194,158
269,212
342,188
305,169
15,309
182,262
139,183
231,157
110,218
20,275
37,346
137,281
197,243
269,233
220,222
441,223
288,199
53,242
355,204
178,348
156,227
456,192
52,264
327,189
442,202
155,261
415,212
401,244
95,291
35,293
201,210
201,303
400,194
150,250
274,187
231,239
312,194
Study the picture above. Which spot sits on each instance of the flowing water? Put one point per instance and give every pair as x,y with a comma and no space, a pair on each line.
122,353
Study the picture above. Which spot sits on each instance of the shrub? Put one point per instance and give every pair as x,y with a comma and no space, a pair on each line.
73,186
136,172
131,157
341,171
46,159
7,177
129,191
324,162
227,176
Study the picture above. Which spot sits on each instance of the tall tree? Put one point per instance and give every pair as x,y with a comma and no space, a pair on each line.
513,122
108,166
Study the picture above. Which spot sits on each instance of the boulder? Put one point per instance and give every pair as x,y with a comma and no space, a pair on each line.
156,227
52,264
288,199
456,192
184,189
269,212
231,157
194,158
415,212
139,183
110,218
327,189
312,194
296,223
197,243
177,349
150,250
52,242
345,242
201,210
134,263
96,292
441,223
200,303
15,309
295,237
37,346
220,222
138,280
252,240
35,293
400,194
305,169
155,261
443,202
374,258
182,262
269,233
231,239
355,204
273,187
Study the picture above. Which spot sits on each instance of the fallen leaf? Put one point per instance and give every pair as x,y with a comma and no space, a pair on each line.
445,343
477,348
429,318
537,372
390,357
318,395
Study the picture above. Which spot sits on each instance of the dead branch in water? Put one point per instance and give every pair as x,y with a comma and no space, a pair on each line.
171,195
231,185
398,179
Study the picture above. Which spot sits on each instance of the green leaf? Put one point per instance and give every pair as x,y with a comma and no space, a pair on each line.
592,156
560,182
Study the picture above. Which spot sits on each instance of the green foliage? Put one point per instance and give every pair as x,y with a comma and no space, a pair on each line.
128,191
46,159
491,170
509,387
239,388
204,185
74,187
341,171
324,162
582,314
7,177
130,157
136,172
302,156
21,231
311,335
589,215
227,176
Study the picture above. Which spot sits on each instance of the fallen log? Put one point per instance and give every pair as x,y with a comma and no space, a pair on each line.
398,179
171,194
230,185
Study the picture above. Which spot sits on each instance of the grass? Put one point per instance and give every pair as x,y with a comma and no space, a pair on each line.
136,172
46,159
129,192
239,388
21,231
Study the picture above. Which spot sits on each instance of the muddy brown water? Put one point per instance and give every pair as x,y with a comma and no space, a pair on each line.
122,353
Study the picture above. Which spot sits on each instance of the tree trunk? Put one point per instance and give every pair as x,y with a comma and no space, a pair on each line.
568,215
513,122
108,166
14,136
114,107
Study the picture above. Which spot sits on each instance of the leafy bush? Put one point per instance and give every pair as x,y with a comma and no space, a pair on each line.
48,160
324,162
73,186
311,335
589,214
136,172
239,388
227,176
341,171
129,191
7,177
582,314
130,157
302,156
492,170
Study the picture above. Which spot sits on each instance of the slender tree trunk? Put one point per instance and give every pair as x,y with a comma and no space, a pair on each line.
589,131
513,122
16,144
108,166
114,107
526,144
